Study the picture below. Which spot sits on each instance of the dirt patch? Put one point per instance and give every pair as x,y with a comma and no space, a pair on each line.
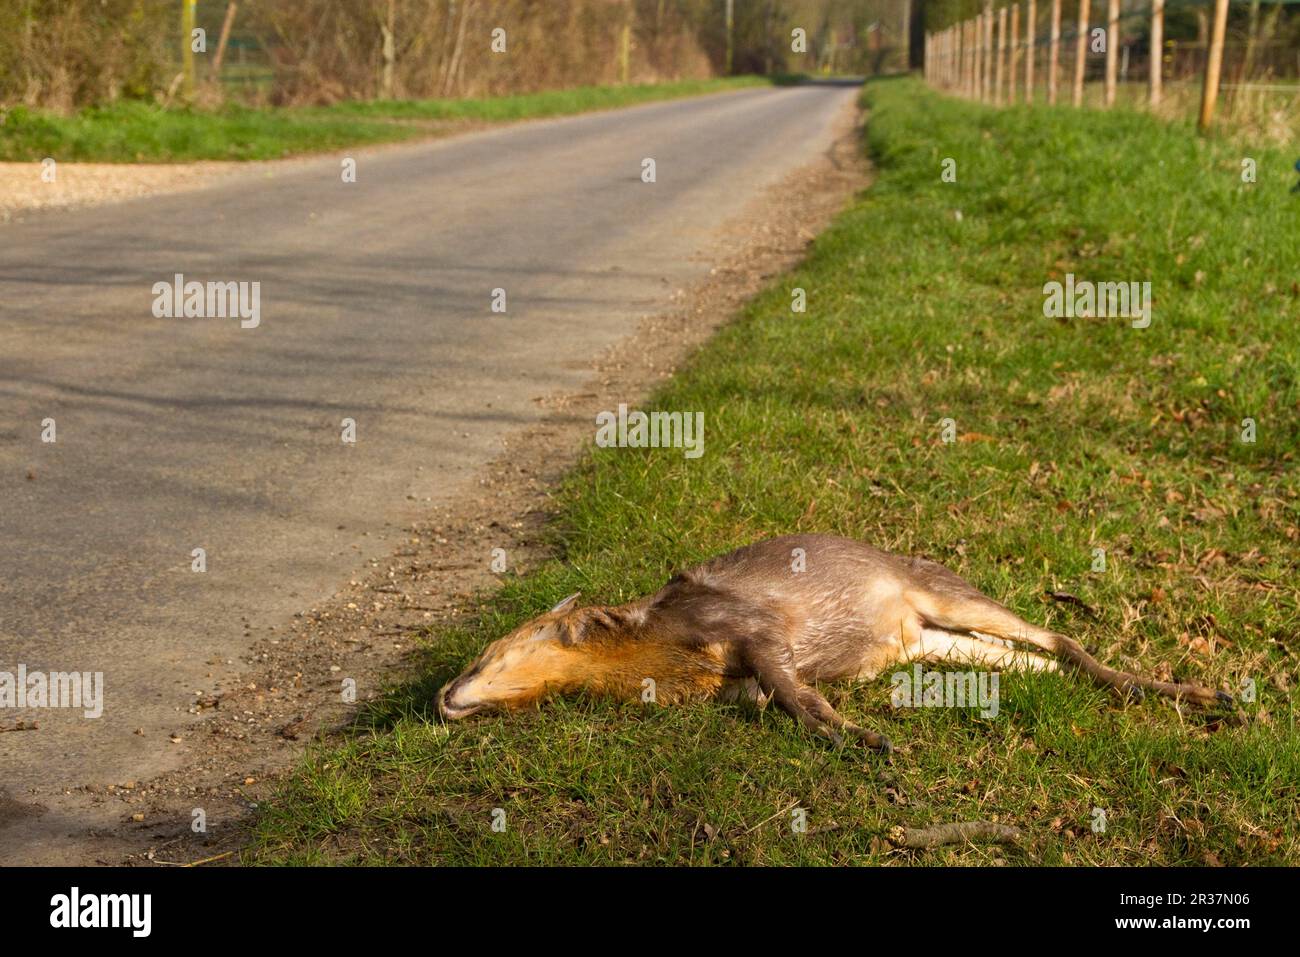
256,727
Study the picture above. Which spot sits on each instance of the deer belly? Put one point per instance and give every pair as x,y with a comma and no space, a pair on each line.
850,653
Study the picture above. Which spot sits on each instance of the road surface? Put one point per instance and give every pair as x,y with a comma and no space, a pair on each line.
172,434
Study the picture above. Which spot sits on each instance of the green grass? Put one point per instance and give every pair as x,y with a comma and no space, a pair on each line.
132,131
1098,435
549,102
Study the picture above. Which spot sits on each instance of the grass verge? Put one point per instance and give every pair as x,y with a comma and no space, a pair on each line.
131,132
925,303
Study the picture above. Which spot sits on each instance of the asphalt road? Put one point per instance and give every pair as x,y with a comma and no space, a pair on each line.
375,304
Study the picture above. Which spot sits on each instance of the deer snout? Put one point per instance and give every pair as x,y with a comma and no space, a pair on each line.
451,703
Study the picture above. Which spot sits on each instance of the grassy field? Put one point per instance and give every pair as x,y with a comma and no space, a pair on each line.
925,303
130,132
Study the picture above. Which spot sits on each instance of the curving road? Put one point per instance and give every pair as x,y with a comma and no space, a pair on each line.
176,433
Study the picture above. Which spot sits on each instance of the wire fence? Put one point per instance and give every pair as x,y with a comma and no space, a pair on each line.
1101,53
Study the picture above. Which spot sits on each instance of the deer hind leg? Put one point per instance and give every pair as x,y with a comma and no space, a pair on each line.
963,609
937,645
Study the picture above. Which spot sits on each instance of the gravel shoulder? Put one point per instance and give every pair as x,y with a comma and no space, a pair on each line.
77,185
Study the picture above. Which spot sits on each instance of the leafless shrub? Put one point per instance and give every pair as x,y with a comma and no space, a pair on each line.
325,51
62,53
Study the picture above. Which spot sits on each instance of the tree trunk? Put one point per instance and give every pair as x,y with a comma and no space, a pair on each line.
455,72
1252,40
389,51
226,26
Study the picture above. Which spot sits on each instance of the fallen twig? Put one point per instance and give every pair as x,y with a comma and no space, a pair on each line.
959,832
1065,598
206,860
750,830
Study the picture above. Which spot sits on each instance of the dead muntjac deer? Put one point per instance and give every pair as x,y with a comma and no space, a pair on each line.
768,621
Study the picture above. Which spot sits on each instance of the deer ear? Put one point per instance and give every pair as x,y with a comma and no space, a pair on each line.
566,603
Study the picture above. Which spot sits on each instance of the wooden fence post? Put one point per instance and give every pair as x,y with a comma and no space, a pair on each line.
1031,51
999,65
1054,53
952,55
1015,52
990,52
972,53
969,60
959,53
959,58
1112,50
1214,65
1081,52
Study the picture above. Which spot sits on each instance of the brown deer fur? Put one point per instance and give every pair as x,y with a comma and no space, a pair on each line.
749,624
